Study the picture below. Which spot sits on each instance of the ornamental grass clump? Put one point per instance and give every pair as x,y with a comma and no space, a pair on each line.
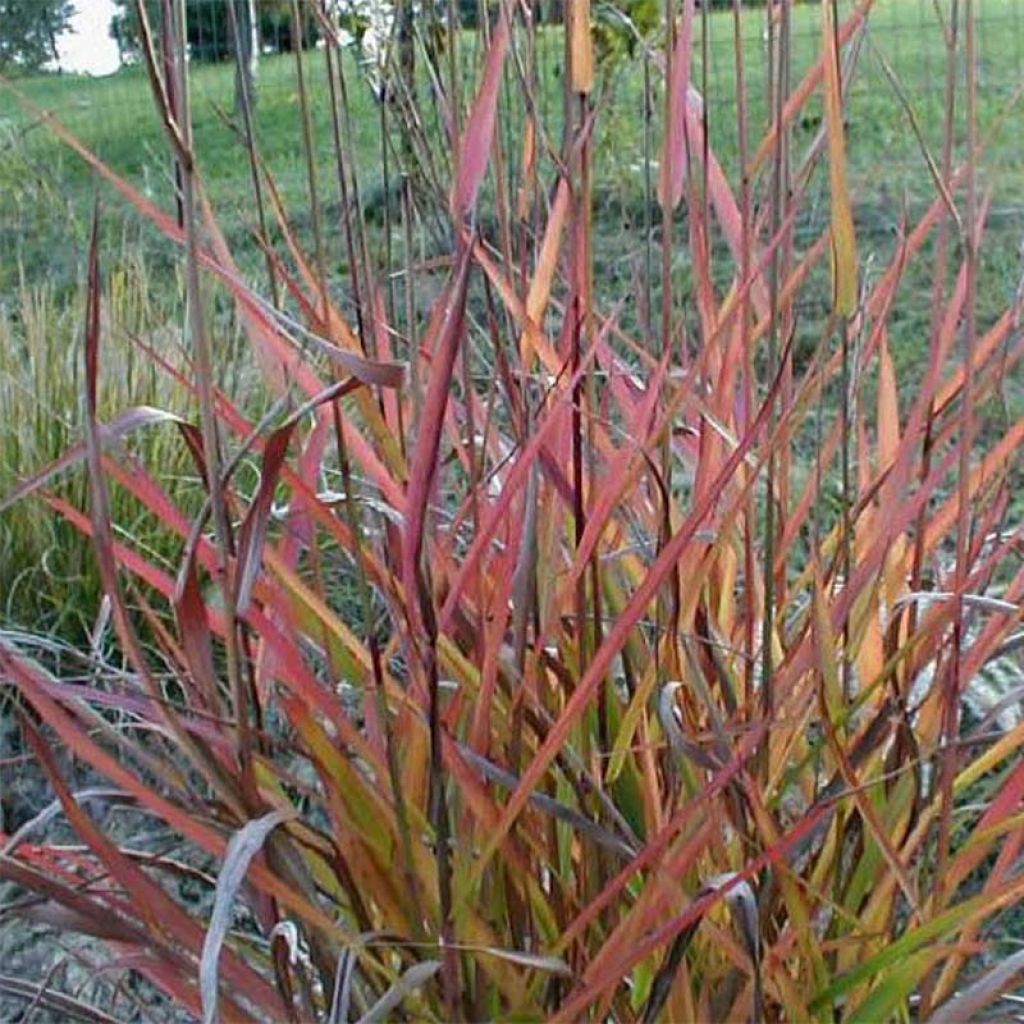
574,653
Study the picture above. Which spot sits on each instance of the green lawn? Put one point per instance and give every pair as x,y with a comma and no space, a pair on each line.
44,189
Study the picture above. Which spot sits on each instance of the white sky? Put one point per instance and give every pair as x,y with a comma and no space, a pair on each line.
87,47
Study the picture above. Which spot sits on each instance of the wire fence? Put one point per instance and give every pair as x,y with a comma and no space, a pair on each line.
899,81
906,33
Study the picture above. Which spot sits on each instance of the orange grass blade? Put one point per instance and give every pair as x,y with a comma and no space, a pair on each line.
844,243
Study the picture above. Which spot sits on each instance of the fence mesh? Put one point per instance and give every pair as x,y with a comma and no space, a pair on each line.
45,193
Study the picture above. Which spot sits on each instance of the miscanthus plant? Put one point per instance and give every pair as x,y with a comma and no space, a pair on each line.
575,655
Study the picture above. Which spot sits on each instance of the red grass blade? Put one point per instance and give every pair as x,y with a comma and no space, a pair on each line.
475,147
675,152
254,526
424,461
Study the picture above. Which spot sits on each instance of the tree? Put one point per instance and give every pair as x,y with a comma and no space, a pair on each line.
29,30
207,29
277,28
208,26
